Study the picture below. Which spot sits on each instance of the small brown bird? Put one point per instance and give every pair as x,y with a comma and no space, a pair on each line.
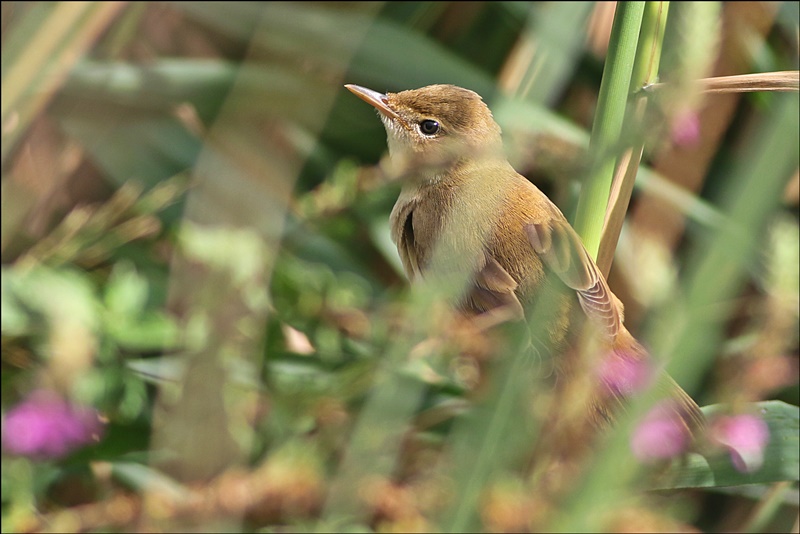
462,199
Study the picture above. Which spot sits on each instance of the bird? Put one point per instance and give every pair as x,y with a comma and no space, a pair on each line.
464,210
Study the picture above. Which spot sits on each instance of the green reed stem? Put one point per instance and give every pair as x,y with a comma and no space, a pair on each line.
607,129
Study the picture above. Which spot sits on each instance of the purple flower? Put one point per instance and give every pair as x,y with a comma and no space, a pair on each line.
745,436
46,426
624,375
662,434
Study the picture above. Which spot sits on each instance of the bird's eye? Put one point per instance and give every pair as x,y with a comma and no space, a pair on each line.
429,127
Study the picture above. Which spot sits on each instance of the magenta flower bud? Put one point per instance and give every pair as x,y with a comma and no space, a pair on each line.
44,425
745,436
662,434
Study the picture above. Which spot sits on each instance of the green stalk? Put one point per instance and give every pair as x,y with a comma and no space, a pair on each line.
645,72
607,129
651,40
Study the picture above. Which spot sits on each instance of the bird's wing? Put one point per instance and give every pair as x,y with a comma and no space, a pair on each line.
561,249
494,288
407,249
402,223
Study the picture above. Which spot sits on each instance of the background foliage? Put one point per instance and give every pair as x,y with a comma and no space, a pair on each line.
195,244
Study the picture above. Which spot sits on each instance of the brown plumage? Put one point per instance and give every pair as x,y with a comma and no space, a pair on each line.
462,199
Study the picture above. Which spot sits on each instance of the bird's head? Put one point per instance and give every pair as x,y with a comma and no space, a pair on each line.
435,125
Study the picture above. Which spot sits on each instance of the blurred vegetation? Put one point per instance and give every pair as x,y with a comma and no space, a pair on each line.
195,243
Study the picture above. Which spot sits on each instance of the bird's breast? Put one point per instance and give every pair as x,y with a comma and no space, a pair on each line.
460,222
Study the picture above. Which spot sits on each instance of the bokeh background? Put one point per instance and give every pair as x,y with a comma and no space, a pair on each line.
198,275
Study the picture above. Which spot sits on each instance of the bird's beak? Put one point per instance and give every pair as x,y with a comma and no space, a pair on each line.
373,98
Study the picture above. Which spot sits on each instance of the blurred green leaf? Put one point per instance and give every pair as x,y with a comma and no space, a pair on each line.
13,317
151,331
60,296
126,291
554,51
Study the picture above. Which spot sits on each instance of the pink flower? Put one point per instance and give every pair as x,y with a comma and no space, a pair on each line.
46,426
686,128
662,434
625,375
745,436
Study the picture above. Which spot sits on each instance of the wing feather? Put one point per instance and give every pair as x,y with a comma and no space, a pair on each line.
495,288
562,251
